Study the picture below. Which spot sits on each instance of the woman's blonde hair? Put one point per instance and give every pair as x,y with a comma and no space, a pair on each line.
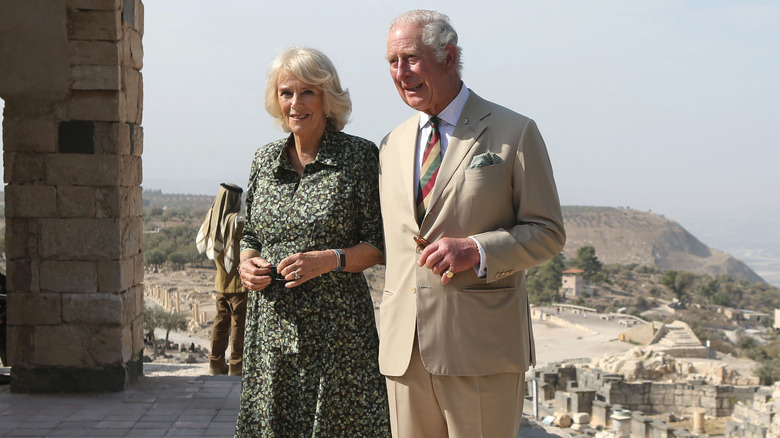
312,67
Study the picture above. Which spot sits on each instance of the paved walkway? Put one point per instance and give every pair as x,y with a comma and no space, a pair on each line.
159,406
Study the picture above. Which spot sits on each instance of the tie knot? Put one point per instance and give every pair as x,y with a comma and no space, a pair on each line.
435,123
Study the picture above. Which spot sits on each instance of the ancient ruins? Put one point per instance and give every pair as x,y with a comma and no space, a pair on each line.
662,387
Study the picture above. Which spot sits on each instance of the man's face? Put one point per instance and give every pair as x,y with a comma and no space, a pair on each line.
420,78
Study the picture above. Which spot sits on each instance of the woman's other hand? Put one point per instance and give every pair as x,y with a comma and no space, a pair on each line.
303,266
255,273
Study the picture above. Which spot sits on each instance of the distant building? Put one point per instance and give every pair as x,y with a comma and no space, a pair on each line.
572,283
746,317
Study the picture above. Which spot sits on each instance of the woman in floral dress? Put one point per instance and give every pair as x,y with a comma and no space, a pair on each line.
313,225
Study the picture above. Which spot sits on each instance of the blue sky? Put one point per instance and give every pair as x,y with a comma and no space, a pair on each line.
668,106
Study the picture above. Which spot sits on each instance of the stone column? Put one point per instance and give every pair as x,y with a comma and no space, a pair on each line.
70,77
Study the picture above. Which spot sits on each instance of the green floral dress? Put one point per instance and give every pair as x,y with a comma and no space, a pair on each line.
310,355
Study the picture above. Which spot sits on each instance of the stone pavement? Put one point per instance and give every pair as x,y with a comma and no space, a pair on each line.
158,406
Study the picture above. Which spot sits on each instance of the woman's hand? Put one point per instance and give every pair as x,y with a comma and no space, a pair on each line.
255,273
303,266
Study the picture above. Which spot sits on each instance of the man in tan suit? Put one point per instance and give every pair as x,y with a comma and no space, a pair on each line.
455,326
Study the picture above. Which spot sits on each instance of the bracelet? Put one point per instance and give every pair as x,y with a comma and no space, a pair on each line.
342,260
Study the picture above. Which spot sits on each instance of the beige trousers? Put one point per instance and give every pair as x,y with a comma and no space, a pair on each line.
423,405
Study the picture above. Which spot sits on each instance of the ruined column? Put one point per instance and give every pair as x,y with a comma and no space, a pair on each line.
70,77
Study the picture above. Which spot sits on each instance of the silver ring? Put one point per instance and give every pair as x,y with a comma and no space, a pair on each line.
297,274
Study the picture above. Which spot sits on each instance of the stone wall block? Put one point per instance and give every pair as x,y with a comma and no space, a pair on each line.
95,77
132,84
80,239
124,143
139,16
137,340
106,345
22,168
34,51
132,201
127,343
76,201
100,25
132,49
109,202
131,172
30,201
34,309
95,105
137,140
105,5
92,308
20,239
138,277
111,138
94,53
129,309
69,276
115,275
82,170
62,345
29,135
132,230
20,345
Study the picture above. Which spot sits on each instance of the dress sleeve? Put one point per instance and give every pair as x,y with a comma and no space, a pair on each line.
251,237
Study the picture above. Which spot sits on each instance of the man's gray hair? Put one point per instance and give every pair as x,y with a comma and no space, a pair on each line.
437,32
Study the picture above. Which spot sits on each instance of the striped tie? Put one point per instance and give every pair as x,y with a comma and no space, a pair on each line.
429,169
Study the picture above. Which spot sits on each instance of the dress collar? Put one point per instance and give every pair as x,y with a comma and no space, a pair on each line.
328,153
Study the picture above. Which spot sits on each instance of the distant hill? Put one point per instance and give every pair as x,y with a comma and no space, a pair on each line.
155,198
625,236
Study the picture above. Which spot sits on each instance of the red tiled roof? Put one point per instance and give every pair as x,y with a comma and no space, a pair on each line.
572,271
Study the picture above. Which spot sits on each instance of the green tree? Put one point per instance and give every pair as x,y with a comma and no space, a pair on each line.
768,372
678,282
152,320
154,257
544,281
156,317
709,288
587,261
171,321
721,298
178,259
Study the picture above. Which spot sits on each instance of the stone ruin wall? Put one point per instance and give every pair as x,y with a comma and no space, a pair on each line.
70,77
608,398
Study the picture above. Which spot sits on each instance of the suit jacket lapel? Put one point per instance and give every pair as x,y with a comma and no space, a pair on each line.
406,160
467,131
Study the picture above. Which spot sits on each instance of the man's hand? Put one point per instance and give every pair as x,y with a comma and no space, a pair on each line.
449,255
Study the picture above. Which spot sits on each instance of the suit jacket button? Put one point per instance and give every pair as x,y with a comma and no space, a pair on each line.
414,290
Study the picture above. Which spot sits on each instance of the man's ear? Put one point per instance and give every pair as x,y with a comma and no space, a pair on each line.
451,60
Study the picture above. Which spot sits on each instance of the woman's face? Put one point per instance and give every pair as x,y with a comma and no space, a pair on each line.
302,104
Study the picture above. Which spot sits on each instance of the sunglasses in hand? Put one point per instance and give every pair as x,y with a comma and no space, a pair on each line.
421,242
275,275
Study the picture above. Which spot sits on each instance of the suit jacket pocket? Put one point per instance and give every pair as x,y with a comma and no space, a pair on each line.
485,289
485,172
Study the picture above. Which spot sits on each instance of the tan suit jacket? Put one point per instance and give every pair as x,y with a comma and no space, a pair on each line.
471,326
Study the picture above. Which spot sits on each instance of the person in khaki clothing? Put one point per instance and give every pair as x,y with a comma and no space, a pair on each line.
219,237
468,204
